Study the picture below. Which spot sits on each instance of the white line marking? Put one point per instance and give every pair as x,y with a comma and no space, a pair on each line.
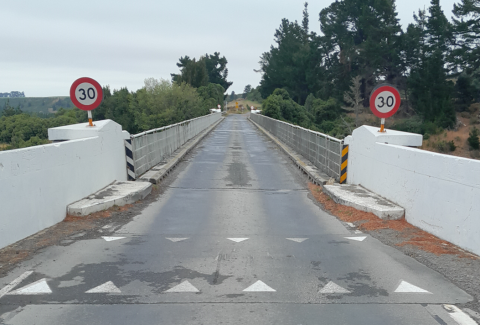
39,287
351,224
14,283
107,287
406,287
298,240
459,316
185,286
332,287
176,239
259,286
112,238
356,238
237,240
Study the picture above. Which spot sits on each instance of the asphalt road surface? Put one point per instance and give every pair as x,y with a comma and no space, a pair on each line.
235,239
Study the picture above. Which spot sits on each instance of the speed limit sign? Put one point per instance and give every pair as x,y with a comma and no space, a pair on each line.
385,101
86,94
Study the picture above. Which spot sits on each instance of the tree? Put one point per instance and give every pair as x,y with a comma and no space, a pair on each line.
192,72
247,90
431,92
473,139
467,31
354,98
217,70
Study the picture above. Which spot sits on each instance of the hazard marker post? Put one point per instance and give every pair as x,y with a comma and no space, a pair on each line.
86,94
384,102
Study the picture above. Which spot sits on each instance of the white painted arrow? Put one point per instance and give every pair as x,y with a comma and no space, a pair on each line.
259,286
112,238
185,286
107,287
406,287
332,287
39,287
176,239
237,240
298,240
356,238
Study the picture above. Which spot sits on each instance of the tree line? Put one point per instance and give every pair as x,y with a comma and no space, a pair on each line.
198,87
308,78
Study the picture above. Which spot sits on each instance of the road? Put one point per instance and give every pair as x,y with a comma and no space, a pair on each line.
235,239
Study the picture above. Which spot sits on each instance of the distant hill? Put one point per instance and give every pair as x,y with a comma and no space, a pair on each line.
38,104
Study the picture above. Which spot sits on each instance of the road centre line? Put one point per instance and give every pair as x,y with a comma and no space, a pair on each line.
14,283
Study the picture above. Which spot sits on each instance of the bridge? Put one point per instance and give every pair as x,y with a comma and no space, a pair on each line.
230,233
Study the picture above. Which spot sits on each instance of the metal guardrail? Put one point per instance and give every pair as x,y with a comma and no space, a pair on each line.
151,147
322,150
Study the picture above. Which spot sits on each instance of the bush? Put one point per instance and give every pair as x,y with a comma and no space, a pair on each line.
444,146
473,139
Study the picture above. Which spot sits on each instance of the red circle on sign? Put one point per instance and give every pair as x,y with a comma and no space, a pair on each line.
85,95
376,94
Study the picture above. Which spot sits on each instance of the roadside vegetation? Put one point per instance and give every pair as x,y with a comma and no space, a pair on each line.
192,93
323,81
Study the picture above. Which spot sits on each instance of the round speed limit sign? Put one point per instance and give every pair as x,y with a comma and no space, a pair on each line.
385,101
86,94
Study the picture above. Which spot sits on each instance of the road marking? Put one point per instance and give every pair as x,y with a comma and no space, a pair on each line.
358,232
185,286
259,286
351,224
14,283
112,238
356,238
176,239
298,240
406,287
39,287
107,287
332,287
459,316
237,240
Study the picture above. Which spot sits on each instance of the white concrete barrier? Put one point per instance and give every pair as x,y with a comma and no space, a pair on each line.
37,183
440,193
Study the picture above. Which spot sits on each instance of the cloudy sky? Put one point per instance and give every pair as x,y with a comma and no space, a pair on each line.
46,45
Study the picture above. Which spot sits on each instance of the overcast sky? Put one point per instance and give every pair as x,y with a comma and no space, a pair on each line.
48,44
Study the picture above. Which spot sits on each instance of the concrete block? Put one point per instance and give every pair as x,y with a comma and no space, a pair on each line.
119,194
364,200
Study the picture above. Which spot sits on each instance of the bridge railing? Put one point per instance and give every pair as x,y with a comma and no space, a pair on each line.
151,147
322,150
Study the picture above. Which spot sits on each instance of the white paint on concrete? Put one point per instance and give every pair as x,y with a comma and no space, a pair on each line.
259,286
358,232
39,287
438,192
14,283
298,240
175,240
459,316
38,183
185,286
351,224
405,287
332,288
112,238
357,238
116,194
107,287
237,240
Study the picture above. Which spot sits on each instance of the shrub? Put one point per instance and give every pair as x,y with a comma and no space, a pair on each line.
473,139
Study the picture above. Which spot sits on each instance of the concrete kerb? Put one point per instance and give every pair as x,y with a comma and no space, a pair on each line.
349,195
116,194
313,173
160,171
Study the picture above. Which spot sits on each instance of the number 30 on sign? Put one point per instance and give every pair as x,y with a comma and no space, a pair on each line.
86,94
385,101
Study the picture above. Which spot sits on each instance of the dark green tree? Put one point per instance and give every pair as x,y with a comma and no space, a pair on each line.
467,30
192,72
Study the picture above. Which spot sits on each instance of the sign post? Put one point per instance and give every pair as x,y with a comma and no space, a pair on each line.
384,102
86,94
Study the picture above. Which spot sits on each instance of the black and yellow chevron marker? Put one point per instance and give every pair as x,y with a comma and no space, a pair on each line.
344,165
